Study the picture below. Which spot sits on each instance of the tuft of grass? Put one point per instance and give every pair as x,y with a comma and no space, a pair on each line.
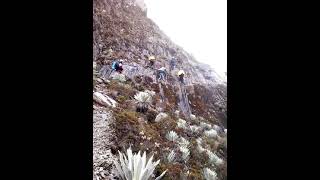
122,99
126,125
151,114
168,124
174,170
195,173
211,144
126,116
122,89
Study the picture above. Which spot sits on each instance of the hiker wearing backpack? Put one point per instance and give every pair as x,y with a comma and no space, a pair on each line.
172,63
181,76
117,66
162,74
151,59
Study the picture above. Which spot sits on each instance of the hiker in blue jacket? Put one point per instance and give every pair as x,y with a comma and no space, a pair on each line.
162,74
117,66
172,63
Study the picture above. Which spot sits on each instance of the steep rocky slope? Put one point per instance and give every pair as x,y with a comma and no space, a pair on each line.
123,31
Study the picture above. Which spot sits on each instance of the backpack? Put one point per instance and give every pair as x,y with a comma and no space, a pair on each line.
115,65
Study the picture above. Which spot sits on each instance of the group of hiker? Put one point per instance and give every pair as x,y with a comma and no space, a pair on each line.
161,73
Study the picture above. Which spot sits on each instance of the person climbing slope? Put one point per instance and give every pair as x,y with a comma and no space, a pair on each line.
181,76
162,74
151,61
117,66
172,63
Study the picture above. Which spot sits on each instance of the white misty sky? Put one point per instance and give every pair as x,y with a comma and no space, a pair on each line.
199,26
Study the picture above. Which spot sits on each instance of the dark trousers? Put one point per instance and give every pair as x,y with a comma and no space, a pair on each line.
119,70
181,79
161,75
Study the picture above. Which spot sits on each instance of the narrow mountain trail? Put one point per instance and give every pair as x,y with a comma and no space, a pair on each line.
102,156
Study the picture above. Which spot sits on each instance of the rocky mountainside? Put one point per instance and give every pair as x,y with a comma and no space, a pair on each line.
122,30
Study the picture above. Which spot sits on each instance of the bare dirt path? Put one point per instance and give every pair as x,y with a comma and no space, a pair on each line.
102,157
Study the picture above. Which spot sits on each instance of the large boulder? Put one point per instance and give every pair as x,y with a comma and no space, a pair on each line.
104,99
